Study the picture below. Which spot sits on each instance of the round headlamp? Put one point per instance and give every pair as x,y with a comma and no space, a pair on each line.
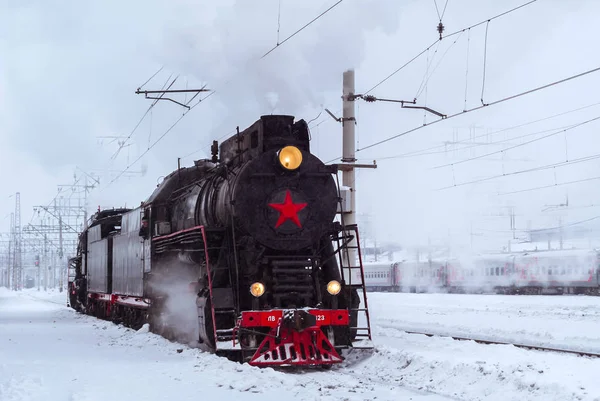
290,157
257,289
334,287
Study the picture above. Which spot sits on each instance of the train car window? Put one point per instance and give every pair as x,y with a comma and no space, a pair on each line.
497,271
562,271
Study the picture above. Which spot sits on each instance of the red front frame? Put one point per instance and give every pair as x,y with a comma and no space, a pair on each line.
271,318
284,346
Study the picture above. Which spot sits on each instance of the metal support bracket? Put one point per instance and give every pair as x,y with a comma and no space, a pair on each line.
197,91
403,103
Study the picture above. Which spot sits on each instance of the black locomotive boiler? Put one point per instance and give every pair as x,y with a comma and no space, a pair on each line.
238,253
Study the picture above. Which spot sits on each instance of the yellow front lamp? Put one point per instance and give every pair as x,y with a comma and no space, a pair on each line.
334,287
290,157
257,289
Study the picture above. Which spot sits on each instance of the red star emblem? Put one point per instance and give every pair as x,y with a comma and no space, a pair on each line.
288,210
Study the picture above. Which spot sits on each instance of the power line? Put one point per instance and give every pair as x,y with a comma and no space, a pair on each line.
299,30
540,168
447,36
552,185
122,144
515,96
206,97
474,145
427,78
565,225
420,151
153,75
159,138
521,144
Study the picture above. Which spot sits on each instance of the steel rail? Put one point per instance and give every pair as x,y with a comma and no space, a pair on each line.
518,345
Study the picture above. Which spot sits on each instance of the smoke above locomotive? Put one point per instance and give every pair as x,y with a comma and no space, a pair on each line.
235,253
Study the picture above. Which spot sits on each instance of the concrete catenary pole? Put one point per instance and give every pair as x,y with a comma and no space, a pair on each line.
348,156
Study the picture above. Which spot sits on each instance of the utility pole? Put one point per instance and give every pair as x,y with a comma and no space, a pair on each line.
11,251
61,251
560,231
348,164
348,156
39,274
45,262
17,260
60,248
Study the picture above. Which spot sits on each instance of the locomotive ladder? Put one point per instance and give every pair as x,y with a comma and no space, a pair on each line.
350,232
222,335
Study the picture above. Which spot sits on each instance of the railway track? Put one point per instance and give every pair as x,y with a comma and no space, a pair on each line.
518,345
458,338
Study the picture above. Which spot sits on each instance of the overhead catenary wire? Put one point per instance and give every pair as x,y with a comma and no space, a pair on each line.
505,99
301,29
425,50
460,31
471,146
206,97
487,26
575,223
150,79
551,186
521,144
530,170
148,110
428,76
421,152
158,140
447,36
438,11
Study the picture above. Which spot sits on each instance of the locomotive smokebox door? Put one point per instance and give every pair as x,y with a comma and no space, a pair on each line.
287,210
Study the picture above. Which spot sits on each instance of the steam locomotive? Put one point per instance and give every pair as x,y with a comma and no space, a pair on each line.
237,254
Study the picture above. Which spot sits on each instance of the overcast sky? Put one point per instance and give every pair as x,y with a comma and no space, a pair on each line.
69,71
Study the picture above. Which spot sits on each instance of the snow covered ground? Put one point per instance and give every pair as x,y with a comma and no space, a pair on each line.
571,322
50,353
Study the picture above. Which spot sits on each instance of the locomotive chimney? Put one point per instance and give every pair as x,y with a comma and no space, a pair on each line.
214,150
